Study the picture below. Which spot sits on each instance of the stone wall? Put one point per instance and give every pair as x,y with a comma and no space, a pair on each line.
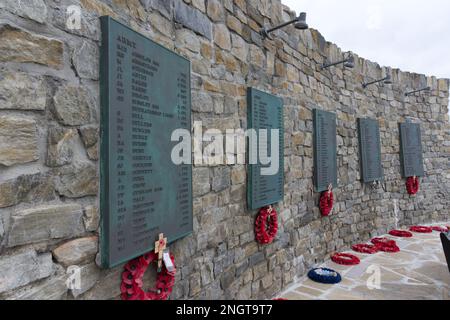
49,119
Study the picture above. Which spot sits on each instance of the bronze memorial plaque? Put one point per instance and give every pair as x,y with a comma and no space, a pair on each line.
145,96
325,159
370,150
411,154
265,112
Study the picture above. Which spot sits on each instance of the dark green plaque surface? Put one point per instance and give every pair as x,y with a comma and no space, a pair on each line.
265,111
145,95
411,150
325,160
370,150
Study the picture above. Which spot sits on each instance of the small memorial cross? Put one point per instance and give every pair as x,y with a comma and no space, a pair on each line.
160,246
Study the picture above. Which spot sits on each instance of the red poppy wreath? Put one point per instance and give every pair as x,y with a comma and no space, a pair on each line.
441,229
266,225
345,259
401,233
365,248
421,229
131,287
412,185
386,245
326,203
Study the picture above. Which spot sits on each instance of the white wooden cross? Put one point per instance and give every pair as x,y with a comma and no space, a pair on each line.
160,246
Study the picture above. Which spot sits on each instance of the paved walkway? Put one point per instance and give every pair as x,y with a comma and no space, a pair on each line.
418,272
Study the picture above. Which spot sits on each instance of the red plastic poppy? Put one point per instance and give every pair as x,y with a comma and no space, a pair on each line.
421,229
127,277
133,266
146,259
401,233
345,259
365,248
129,289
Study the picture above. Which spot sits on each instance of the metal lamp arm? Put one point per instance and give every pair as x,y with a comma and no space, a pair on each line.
366,84
301,18
416,91
282,25
326,65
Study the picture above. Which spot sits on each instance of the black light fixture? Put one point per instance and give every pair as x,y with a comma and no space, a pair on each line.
385,80
348,62
416,91
299,23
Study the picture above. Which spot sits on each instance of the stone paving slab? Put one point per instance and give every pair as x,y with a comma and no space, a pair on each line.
418,272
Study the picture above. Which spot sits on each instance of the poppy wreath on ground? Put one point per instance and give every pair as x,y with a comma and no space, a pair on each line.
421,229
365,248
266,225
386,245
401,233
324,275
388,249
440,229
326,203
345,259
131,287
384,242
412,185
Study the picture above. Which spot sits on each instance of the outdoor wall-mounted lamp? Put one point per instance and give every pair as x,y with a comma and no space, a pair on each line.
348,62
385,80
416,91
299,23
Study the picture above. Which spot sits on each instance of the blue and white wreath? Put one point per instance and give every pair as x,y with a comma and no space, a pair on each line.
324,275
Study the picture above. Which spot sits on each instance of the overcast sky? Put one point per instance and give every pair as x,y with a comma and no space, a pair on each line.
413,35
